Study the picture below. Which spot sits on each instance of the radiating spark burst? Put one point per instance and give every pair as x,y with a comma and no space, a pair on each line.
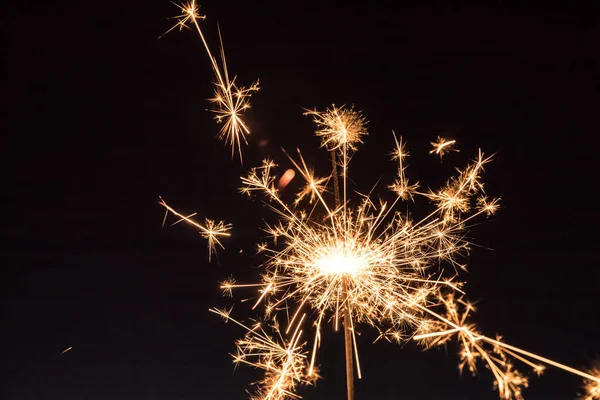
339,126
230,101
283,360
401,187
497,356
369,259
442,146
210,231
508,381
386,270
189,12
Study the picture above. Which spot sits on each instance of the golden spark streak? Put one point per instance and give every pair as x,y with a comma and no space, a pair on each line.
442,146
210,231
401,187
592,387
498,359
284,361
230,101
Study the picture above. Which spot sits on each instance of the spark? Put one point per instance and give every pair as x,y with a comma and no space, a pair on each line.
227,286
442,146
65,350
189,12
592,388
211,230
401,187
284,361
499,357
230,101
339,126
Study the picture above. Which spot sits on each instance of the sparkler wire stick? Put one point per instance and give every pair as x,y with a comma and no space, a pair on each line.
348,344
336,181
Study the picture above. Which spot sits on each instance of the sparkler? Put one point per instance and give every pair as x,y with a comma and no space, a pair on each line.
230,101
363,261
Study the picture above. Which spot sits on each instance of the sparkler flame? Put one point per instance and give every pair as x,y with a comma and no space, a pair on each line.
386,268
366,259
369,258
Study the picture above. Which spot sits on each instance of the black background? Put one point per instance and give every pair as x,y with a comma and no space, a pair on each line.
102,118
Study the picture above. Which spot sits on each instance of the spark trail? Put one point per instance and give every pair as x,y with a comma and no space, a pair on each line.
211,230
230,101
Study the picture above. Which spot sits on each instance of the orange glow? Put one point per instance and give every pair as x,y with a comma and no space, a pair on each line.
285,179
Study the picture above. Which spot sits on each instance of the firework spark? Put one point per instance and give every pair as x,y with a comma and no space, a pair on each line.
401,187
211,230
442,146
284,361
508,381
592,388
230,101
189,12
498,356
339,126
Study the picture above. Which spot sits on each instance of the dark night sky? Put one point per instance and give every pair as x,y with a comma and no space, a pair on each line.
103,118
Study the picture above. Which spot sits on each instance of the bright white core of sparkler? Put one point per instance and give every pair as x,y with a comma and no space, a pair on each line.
337,261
